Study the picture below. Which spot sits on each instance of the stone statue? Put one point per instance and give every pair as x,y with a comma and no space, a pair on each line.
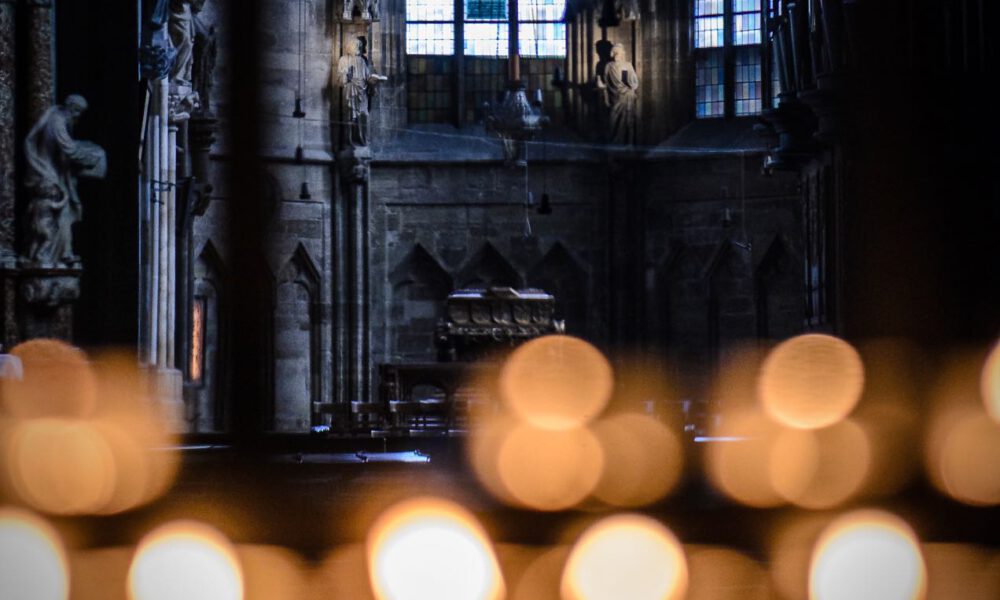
620,85
182,35
204,56
368,9
358,79
54,161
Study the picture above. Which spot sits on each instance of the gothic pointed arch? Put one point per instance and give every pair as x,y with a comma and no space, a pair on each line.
488,268
207,360
420,286
297,373
728,281
561,274
778,291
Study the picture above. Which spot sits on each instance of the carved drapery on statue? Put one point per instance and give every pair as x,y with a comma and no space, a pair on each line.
620,85
54,161
359,81
183,31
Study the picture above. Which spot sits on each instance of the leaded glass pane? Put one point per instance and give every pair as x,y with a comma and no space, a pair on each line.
485,10
485,79
542,39
429,89
746,29
704,8
746,6
430,10
486,39
708,32
710,99
747,81
541,10
430,38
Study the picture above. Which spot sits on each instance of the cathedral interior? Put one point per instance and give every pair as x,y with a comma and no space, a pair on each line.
713,280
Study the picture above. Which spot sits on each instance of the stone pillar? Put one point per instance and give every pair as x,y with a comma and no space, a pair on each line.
162,176
41,84
7,140
171,197
355,169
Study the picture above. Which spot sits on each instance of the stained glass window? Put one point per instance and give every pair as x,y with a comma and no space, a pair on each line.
747,82
710,97
727,48
430,27
484,28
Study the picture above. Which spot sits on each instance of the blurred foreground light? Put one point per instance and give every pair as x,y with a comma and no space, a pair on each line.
867,555
957,571
60,466
272,573
626,556
990,383
724,574
643,460
790,550
811,381
549,470
963,452
32,559
820,468
541,579
741,468
431,549
58,382
556,382
185,560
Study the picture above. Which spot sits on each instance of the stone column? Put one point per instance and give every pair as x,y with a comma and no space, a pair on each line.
355,164
162,176
171,197
41,84
7,140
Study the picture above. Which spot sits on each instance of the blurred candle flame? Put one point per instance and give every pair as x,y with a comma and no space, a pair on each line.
33,562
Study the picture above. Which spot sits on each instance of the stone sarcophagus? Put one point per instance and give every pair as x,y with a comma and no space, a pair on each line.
481,322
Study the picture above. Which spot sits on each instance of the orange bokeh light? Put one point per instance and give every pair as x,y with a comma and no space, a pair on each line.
58,382
962,453
626,556
820,468
432,549
549,470
724,574
867,555
185,559
556,382
33,562
990,383
741,469
811,381
643,460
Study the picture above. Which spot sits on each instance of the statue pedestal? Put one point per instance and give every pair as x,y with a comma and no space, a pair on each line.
38,302
167,386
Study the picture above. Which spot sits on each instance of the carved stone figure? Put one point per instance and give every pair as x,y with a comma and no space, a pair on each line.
620,85
54,161
359,81
368,9
182,35
204,55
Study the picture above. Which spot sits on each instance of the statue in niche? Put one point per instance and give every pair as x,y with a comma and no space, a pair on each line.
181,28
368,9
359,80
203,55
620,85
54,161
